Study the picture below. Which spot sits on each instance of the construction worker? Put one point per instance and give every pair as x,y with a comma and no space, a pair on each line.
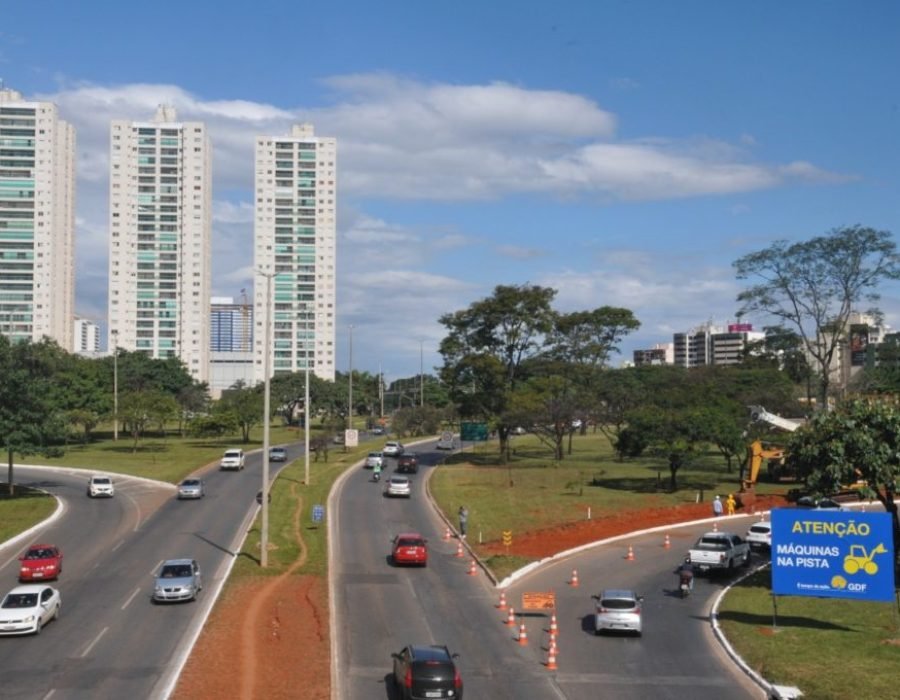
717,506
730,504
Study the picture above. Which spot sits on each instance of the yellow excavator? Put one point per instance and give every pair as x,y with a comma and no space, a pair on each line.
757,452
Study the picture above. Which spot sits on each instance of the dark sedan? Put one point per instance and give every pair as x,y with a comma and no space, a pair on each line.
422,672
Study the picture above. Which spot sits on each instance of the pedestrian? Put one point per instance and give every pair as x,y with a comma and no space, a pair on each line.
463,521
730,504
717,506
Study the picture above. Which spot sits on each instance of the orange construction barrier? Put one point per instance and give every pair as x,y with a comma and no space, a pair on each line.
472,570
502,605
523,635
511,618
667,543
574,580
630,555
459,550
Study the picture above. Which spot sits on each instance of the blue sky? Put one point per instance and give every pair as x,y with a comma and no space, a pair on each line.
623,153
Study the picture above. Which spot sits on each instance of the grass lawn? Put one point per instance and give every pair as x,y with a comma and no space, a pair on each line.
831,649
25,509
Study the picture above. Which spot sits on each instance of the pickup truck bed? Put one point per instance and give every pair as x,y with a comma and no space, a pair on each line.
719,550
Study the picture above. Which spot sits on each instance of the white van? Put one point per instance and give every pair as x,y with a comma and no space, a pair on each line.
232,459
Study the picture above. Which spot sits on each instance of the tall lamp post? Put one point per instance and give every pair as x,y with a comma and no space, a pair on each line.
267,347
306,415
350,392
421,375
115,335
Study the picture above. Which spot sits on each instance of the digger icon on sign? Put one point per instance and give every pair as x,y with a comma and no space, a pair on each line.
858,559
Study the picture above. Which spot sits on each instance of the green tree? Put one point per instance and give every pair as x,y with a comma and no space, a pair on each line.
486,346
813,286
547,405
860,439
245,405
31,420
138,410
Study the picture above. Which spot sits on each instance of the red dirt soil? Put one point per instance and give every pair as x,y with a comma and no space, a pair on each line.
265,634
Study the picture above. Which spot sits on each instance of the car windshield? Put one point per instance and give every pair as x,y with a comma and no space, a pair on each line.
399,480
20,600
176,571
39,554
617,604
761,529
410,542
714,544
232,454
190,482
101,480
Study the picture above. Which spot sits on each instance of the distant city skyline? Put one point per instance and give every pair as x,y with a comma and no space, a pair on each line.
623,154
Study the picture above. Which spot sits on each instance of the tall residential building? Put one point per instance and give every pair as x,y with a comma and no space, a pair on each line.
160,224
712,345
231,325
87,337
295,252
659,354
37,221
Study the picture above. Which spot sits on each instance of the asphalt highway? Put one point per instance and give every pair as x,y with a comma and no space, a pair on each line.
111,642
379,608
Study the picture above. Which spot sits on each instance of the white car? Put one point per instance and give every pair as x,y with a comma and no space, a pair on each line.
398,485
374,459
447,442
392,449
232,459
99,485
759,536
618,610
26,609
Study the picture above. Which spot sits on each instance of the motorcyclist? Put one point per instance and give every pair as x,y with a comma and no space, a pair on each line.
686,575
376,472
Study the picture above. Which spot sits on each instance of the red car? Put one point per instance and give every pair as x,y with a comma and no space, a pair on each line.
409,548
41,562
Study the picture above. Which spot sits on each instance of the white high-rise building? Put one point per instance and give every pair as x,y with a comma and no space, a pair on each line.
87,337
295,245
160,227
37,221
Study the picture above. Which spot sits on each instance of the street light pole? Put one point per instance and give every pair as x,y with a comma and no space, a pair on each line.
421,375
267,347
306,415
115,335
350,394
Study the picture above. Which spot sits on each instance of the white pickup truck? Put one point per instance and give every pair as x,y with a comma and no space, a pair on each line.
719,550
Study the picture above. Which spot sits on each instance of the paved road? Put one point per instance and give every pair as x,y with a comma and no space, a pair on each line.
379,608
110,641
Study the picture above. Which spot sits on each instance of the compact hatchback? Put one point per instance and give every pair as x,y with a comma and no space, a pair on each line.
374,459
191,488
178,579
392,449
422,672
26,609
100,486
40,562
759,536
398,486
618,609
278,454
409,548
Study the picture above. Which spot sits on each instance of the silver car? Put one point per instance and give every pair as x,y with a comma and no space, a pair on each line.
178,579
398,485
618,609
191,488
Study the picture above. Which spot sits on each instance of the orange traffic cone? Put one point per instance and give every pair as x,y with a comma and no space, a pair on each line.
447,535
630,555
459,550
667,543
472,571
715,526
523,636
502,605
761,516
551,658
574,580
511,618
553,628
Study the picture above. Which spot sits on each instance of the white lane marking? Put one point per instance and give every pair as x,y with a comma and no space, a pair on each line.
120,543
130,598
156,568
49,694
92,644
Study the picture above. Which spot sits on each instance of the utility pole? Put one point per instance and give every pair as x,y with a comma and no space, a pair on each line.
267,349
421,375
350,390
115,335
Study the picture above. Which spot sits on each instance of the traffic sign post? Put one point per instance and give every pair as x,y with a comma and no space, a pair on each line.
318,513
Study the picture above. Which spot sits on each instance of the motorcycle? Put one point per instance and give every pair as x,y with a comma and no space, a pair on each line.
685,583
376,477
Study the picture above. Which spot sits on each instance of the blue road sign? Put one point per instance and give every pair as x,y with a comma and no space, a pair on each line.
832,554
318,514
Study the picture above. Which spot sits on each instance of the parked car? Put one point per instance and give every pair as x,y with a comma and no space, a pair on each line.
100,486
392,449
40,562
374,459
618,609
377,430
398,485
232,459
427,672
821,504
278,454
191,488
26,609
409,548
178,579
759,536
408,463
